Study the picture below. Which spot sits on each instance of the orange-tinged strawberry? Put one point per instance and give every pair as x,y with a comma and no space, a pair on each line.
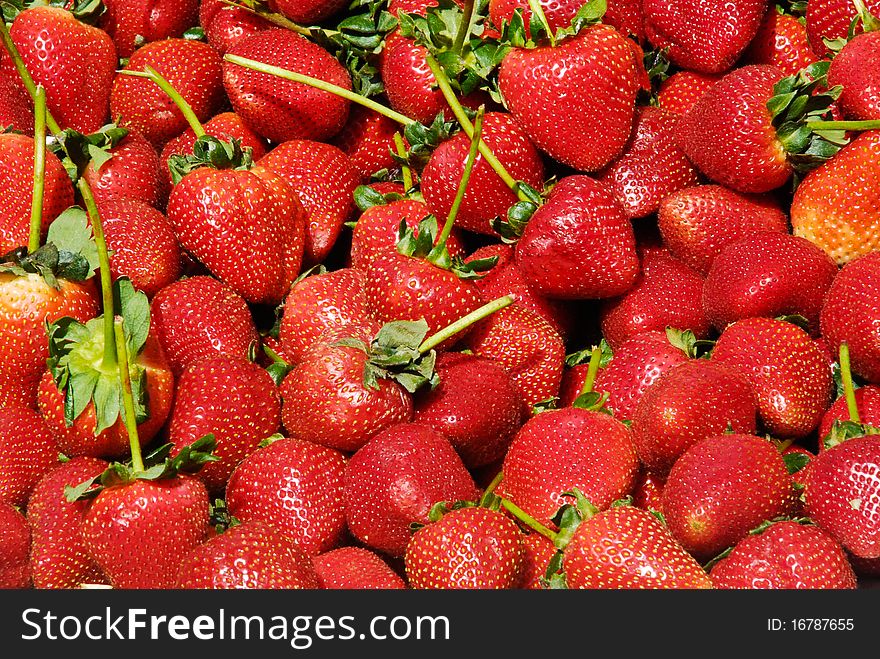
15,545
27,452
355,568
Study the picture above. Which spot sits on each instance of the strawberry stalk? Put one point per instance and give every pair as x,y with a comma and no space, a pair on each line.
529,521
872,124
869,22
468,17
494,484
848,388
275,19
592,370
185,108
39,170
464,322
405,171
129,417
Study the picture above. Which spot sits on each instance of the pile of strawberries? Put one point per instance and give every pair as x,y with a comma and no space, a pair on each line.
439,294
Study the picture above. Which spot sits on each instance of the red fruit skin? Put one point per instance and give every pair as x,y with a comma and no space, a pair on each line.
852,315
831,19
681,91
648,492
667,294
282,110
27,451
75,62
786,555
526,346
15,104
867,402
58,556
696,223
226,25
200,317
16,190
706,37
15,544
132,173
354,568
476,406
782,42
486,195
296,487
538,551
233,399
395,479
307,12
324,180
140,532
629,548
193,68
469,548
623,15
143,247
143,21
789,374
252,555
576,100
768,274
27,304
570,447
843,494
651,166
721,488
579,244
368,139
692,401
729,136
855,68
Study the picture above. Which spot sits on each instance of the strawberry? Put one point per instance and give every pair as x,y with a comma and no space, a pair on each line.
706,37
131,24
193,68
781,41
623,15
281,110
681,91
296,487
790,377
27,451
579,244
855,68
571,447
538,551
354,568
831,19
395,480
15,545
841,494
867,403
721,488
307,11
767,274
692,401
367,139
785,555
58,556
15,103
324,180
836,207
851,314
225,25
648,492
252,555
555,93
133,171
230,398
468,548
75,62
696,223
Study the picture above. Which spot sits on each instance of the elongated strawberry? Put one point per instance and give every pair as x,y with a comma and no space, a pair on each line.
15,545
782,41
133,171
354,568
367,139
131,24
680,91
27,451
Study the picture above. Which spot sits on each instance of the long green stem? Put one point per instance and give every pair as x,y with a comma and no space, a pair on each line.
463,323
466,26
538,11
495,483
592,370
36,228
405,171
462,184
185,108
24,74
849,390
529,521
275,19
873,124
129,418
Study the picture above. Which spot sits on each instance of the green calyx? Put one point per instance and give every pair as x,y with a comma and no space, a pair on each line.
366,197
209,151
515,35
511,228
77,151
422,140
420,243
685,341
584,356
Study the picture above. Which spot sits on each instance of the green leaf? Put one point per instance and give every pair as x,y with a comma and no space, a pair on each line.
71,234
794,462
107,397
134,307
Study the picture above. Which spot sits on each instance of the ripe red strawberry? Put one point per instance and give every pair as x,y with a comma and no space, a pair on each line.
252,555
468,548
648,492
681,91
367,139
538,551
842,494
867,402
307,11
667,294
15,104
855,68
790,376
476,406
651,166
193,68
143,21
15,545
781,40
58,556
688,403
852,314
132,172
626,547
526,346
27,452
75,62
579,244
768,274
707,37
831,19
721,488
354,568
225,25
16,190
576,100
230,398
281,110
296,487
785,555
623,15
486,195
395,480
696,223
558,450
324,180
836,206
